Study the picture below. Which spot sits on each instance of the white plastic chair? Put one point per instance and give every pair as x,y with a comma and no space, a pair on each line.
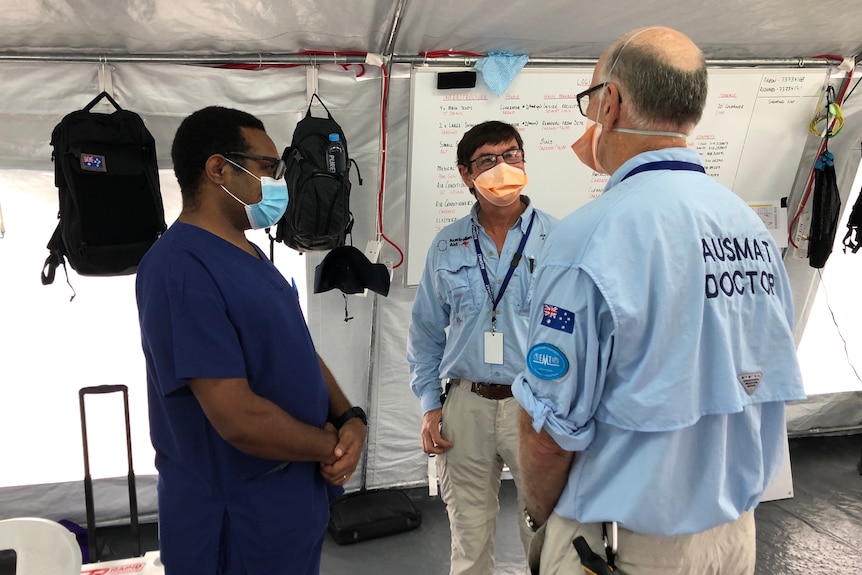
43,547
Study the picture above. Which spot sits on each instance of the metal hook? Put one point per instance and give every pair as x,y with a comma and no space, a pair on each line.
800,62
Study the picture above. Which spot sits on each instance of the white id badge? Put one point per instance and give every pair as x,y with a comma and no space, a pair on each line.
494,347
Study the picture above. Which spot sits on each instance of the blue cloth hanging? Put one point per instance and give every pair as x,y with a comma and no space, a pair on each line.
499,69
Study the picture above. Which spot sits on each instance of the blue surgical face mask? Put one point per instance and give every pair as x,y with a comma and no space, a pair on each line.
272,204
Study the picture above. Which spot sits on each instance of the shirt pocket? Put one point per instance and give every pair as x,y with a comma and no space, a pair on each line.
459,289
527,283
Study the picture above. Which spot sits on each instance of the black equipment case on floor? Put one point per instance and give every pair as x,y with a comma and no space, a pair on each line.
88,480
368,514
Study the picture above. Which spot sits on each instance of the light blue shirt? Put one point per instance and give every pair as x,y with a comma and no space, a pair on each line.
661,350
452,298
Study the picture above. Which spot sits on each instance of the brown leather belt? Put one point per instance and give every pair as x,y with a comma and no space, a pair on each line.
488,390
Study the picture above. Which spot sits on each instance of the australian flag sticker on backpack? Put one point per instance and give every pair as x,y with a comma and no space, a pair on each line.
93,163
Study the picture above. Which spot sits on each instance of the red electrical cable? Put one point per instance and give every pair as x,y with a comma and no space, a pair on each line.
444,53
383,167
432,54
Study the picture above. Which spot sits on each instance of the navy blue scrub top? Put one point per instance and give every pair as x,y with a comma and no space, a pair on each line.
210,310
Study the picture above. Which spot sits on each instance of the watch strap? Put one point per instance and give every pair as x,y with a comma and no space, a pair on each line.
354,411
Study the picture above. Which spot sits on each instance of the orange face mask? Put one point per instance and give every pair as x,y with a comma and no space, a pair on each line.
587,145
501,185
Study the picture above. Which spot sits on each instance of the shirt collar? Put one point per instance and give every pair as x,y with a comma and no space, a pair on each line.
524,220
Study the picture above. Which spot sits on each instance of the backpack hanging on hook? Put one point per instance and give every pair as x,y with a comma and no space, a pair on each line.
107,177
318,180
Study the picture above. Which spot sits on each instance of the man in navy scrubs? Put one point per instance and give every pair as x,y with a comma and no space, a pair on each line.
251,432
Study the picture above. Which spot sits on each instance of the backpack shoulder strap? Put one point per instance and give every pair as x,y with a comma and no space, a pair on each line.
56,258
56,249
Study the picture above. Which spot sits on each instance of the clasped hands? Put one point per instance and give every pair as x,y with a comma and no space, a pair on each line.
349,441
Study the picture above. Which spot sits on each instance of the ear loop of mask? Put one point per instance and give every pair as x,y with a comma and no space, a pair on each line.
244,170
602,99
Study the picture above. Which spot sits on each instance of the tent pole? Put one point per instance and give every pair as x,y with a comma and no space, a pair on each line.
306,59
371,415
393,30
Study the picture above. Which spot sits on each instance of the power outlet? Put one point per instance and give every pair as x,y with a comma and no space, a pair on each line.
372,250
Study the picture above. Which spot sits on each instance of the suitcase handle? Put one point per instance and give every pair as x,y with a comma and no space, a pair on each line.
101,389
88,480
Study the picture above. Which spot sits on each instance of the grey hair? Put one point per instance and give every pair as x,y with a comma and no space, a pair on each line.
660,96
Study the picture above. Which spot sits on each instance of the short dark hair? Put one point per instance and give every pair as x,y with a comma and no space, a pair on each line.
661,95
492,132
211,130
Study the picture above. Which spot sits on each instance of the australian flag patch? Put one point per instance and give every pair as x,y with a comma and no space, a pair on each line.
558,318
93,163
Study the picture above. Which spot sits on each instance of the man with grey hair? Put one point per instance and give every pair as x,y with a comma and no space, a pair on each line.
661,351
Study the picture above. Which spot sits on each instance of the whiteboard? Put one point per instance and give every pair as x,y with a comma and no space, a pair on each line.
751,138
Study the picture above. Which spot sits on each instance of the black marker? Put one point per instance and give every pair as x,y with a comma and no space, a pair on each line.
532,263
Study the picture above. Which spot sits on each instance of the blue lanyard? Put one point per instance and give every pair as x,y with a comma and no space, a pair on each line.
665,165
515,259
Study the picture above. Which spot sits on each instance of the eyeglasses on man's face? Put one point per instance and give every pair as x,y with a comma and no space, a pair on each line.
278,165
488,161
584,98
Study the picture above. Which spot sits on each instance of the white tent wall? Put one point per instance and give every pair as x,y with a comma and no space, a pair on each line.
51,347
369,349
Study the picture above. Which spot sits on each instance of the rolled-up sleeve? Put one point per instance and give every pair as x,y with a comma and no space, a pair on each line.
568,354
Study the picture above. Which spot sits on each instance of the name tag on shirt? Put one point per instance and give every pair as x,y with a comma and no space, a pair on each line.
493,347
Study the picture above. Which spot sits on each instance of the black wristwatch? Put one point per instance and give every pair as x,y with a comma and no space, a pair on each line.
354,411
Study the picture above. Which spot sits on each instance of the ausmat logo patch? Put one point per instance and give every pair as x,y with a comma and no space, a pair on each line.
546,361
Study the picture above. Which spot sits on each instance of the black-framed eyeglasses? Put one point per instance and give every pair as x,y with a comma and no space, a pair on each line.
278,169
584,98
488,161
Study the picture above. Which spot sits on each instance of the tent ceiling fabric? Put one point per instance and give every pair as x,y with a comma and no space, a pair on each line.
731,29
725,30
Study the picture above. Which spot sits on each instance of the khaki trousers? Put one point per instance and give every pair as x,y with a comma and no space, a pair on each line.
728,549
485,434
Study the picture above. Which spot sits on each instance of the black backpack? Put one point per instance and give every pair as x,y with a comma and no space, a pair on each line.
111,207
318,210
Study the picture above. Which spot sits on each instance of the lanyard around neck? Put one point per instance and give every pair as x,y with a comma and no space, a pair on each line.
514,263
665,165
